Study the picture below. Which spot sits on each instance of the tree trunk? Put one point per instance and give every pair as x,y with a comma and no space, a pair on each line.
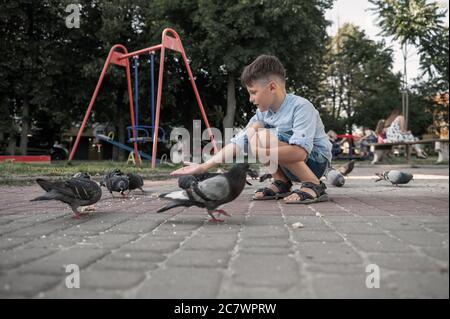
228,120
12,142
25,126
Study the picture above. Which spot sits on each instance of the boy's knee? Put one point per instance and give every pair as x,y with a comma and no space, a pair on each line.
267,139
295,154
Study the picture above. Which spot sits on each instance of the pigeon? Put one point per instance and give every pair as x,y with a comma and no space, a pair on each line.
135,181
78,191
115,181
335,178
395,177
346,168
116,171
211,192
185,181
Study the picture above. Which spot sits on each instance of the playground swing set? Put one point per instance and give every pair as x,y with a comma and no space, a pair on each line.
119,55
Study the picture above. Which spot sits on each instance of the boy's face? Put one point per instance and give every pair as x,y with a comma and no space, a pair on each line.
262,93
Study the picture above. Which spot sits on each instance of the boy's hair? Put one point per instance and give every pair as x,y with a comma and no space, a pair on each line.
263,67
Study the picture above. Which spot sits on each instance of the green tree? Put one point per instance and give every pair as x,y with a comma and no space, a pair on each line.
359,86
41,70
221,37
409,22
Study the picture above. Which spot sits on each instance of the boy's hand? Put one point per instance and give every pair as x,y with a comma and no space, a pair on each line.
190,170
256,125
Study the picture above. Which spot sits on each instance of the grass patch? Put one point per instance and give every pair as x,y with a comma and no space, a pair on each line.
23,173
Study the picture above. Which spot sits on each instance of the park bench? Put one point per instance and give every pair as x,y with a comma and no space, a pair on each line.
381,150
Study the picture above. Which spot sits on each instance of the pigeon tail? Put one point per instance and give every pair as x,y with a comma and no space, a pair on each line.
177,195
45,184
43,197
171,205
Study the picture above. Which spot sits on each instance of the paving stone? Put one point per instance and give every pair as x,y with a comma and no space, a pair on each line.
110,279
149,256
378,243
319,252
11,242
332,269
302,235
265,231
124,264
150,243
420,284
422,238
133,227
196,258
55,264
17,257
109,241
264,242
440,253
358,228
191,283
403,262
265,250
53,241
330,286
26,285
210,242
278,271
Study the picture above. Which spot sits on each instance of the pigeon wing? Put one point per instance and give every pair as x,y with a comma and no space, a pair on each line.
216,188
76,188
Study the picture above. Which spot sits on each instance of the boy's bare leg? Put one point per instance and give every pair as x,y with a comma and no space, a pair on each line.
290,156
304,173
263,138
293,158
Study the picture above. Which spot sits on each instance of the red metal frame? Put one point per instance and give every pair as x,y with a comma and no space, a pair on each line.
26,158
172,42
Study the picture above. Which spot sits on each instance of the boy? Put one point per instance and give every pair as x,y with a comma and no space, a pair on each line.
301,146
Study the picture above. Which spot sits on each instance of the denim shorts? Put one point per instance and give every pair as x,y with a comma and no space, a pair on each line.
316,162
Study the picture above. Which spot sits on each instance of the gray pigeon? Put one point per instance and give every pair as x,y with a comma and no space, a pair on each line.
78,191
135,181
335,178
395,177
116,171
185,181
115,181
211,192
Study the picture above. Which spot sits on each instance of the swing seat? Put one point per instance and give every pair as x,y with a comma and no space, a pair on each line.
144,134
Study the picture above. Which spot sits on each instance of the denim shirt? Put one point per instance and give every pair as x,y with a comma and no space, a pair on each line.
296,116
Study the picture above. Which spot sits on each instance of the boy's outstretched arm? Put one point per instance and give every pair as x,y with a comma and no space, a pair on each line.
228,152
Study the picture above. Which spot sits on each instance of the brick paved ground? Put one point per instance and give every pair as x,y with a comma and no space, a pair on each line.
125,250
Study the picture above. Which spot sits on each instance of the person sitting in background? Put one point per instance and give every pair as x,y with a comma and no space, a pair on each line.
395,132
336,144
379,131
368,138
